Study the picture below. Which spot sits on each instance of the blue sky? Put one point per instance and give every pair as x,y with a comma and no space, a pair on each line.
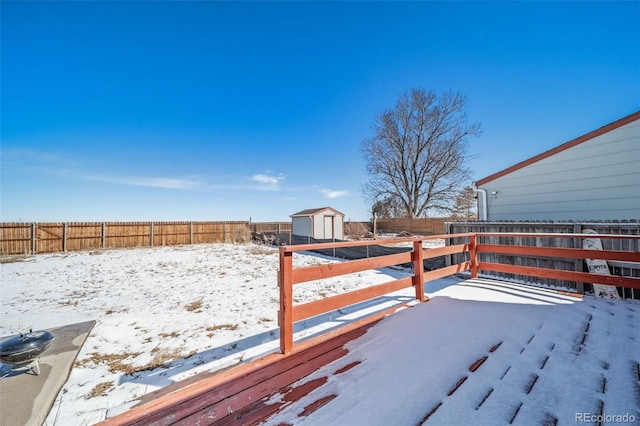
235,110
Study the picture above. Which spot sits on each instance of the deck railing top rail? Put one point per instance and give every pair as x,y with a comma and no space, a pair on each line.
384,241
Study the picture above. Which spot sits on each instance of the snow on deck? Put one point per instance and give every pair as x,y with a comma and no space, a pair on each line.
486,352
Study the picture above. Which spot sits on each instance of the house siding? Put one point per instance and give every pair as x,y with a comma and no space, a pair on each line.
598,179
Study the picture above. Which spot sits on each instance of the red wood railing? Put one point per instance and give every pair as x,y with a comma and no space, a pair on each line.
563,253
288,276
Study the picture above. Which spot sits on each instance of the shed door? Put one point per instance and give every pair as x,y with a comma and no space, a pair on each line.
328,227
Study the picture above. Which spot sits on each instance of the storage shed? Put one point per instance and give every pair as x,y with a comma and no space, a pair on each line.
593,177
324,223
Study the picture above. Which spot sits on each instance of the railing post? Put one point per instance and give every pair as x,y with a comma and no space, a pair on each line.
447,242
577,243
285,315
473,255
418,270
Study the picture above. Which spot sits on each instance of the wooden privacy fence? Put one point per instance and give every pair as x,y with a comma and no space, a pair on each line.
416,226
473,246
33,238
274,227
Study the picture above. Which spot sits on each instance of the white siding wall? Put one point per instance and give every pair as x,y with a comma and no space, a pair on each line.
318,226
301,226
598,179
338,227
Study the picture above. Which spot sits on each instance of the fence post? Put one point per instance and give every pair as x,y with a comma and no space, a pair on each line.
151,234
285,315
33,238
64,237
103,237
375,228
224,231
418,270
473,255
190,232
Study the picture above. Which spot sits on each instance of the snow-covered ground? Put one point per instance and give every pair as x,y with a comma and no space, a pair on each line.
163,313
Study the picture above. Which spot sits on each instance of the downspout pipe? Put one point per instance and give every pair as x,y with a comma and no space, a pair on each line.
484,210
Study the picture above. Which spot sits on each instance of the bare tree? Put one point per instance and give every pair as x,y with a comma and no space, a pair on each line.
417,157
387,208
465,205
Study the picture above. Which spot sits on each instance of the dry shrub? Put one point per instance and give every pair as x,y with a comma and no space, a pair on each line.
211,329
114,361
231,327
161,360
356,230
172,334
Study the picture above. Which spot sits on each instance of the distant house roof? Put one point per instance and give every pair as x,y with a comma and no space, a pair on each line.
312,212
577,141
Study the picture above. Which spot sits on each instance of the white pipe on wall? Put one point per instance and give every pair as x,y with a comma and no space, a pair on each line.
484,211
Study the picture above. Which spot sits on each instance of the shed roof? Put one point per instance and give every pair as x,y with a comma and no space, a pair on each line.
577,141
313,212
